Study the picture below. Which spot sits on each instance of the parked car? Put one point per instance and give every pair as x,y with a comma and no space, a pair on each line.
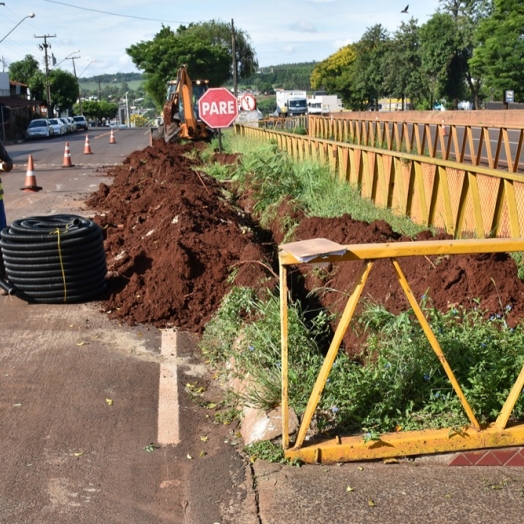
72,123
39,128
67,123
59,126
81,122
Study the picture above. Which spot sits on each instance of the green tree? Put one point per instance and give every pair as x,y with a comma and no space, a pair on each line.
467,15
97,110
402,63
500,53
206,58
63,86
335,74
218,33
24,70
64,90
442,63
368,80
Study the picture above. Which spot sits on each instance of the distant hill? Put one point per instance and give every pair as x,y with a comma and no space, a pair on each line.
120,77
287,76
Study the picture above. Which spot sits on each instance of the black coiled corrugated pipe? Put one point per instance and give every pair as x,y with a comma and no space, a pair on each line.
54,259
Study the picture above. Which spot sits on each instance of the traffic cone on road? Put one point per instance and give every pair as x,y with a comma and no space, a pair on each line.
67,157
30,178
444,129
87,147
112,138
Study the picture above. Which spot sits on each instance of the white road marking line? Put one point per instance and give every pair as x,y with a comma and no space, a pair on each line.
168,408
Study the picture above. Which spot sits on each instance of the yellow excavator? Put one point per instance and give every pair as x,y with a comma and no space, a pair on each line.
180,113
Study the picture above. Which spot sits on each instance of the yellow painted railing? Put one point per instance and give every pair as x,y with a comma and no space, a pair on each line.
466,200
495,145
404,443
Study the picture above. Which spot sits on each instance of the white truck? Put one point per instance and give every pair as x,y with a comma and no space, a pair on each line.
291,103
323,104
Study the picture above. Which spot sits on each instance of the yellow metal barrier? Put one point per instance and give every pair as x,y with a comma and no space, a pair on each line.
434,136
465,200
475,436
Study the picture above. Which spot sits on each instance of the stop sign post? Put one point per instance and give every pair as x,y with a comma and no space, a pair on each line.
218,108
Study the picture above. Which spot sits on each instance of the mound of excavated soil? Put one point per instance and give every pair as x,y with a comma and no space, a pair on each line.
176,244
173,241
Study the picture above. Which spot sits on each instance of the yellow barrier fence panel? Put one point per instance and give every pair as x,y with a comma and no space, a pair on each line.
403,443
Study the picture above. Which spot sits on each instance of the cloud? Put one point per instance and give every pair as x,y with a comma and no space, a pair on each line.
289,49
303,27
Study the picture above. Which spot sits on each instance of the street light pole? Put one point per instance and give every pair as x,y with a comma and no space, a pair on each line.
72,58
30,15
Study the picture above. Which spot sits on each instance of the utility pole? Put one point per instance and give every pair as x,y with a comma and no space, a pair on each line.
74,71
44,47
234,53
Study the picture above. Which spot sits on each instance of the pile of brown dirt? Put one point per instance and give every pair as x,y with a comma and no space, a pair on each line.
176,244
173,240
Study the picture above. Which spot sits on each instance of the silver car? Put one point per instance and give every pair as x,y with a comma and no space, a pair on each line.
39,128
72,124
58,125
67,124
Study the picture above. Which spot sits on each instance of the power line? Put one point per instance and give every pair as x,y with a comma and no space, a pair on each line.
114,14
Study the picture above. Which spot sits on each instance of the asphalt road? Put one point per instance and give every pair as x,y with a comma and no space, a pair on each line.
97,424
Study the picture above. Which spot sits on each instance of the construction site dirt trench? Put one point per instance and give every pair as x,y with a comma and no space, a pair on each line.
176,244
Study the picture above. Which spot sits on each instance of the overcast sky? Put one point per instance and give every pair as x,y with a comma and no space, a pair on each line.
281,31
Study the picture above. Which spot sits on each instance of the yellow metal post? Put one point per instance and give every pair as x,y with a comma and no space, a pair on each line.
285,353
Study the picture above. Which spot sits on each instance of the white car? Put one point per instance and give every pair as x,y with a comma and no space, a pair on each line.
81,122
72,123
59,126
39,128
67,124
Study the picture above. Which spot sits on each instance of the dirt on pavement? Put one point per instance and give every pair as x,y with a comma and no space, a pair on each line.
176,244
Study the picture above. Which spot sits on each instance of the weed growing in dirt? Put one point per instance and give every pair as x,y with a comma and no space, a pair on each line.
401,383
396,383
269,452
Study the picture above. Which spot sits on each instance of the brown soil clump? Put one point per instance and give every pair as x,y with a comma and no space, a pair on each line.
175,245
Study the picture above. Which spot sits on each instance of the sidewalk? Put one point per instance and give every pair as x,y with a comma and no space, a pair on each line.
421,491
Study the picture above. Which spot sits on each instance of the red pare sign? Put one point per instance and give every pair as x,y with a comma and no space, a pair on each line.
218,107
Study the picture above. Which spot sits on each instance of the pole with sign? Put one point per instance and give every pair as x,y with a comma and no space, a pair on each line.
218,108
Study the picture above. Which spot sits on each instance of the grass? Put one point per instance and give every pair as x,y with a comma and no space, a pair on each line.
397,382
274,176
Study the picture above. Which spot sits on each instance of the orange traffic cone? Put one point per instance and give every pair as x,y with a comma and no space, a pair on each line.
444,129
30,178
112,138
87,147
67,157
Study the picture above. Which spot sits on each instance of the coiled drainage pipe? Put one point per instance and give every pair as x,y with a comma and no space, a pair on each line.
54,259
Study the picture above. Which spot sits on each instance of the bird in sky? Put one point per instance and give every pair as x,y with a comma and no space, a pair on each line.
405,10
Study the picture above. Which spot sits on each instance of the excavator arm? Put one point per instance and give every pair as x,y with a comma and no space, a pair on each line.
180,120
